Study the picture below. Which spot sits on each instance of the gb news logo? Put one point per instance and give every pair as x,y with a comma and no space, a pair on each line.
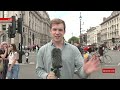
108,70
5,20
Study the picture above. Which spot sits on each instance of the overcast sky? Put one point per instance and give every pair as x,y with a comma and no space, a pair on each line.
72,20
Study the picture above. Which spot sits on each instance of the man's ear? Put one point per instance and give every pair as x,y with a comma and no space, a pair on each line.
64,31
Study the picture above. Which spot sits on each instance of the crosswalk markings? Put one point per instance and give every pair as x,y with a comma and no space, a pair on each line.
27,63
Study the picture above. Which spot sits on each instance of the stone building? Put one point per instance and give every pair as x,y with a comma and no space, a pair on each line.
110,28
35,23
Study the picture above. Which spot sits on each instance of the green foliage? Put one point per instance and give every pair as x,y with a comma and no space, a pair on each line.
73,39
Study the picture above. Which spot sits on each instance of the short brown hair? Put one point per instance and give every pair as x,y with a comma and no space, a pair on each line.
57,21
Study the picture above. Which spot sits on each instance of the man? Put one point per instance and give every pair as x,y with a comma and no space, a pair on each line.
101,50
79,47
71,57
36,48
87,53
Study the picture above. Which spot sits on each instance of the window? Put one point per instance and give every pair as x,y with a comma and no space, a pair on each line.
117,19
5,14
23,29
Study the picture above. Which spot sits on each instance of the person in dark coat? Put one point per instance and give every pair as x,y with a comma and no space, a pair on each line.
101,50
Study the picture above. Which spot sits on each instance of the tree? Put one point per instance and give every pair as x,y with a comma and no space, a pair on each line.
73,39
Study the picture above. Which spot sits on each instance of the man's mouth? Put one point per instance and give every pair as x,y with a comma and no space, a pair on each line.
57,37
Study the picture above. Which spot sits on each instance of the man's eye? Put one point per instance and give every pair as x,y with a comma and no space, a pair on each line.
54,29
60,30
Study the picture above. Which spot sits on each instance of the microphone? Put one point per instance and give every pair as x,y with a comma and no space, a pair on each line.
56,61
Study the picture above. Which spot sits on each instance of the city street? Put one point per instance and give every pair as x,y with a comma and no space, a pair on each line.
30,30
27,71
114,65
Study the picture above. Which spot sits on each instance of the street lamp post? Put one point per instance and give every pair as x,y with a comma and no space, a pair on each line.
80,27
21,51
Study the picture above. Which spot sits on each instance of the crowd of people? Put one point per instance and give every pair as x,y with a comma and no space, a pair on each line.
88,50
9,57
9,60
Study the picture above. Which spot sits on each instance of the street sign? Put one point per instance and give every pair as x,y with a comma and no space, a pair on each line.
5,20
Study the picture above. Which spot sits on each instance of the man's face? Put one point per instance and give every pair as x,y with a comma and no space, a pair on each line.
57,32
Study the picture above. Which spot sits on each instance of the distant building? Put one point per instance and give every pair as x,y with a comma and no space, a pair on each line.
110,28
84,39
91,35
34,22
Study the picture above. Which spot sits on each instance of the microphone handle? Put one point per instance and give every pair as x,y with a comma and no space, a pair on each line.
56,71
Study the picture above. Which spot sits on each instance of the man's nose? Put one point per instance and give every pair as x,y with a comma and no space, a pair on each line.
57,32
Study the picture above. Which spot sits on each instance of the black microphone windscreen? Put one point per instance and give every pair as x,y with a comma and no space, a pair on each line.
56,58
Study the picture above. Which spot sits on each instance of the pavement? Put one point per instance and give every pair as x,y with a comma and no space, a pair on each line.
27,71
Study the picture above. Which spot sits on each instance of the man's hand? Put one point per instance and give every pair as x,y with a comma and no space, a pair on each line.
92,65
51,75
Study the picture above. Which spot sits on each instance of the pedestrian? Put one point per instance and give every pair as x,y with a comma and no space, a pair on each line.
101,50
13,66
1,63
36,48
87,53
71,57
26,55
4,48
77,44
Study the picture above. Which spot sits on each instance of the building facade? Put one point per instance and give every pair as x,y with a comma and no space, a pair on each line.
83,38
110,28
91,35
36,24
98,35
99,42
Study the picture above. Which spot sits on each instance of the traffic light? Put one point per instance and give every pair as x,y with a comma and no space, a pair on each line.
113,40
19,24
81,39
84,38
13,32
10,32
